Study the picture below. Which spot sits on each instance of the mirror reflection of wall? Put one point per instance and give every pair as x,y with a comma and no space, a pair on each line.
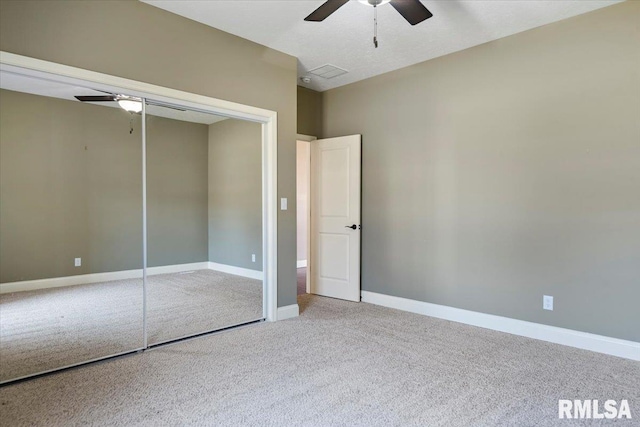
70,227
235,211
204,196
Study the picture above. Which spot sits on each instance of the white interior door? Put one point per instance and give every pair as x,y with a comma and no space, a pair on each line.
334,266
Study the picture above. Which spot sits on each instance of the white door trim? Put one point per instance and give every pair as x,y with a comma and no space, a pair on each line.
33,67
305,138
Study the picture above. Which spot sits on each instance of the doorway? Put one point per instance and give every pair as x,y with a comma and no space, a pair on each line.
303,211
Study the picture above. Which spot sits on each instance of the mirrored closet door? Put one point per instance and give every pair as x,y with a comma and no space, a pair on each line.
125,223
71,287
204,213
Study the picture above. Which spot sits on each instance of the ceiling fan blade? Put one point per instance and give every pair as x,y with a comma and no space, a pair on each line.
96,98
327,8
411,10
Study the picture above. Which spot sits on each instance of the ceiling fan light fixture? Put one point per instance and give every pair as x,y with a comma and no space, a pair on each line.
374,2
130,105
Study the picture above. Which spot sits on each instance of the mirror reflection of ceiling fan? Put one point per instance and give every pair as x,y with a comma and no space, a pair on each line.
411,10
128,103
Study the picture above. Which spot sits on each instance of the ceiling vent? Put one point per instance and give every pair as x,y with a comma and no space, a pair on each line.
328,71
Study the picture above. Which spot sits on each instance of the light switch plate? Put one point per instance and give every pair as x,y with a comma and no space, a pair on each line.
77,262
547,302
283,204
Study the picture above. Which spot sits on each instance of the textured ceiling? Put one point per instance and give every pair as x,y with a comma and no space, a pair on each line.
345,38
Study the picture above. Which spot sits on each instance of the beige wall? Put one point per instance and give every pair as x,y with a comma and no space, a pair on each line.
177,191
302,184
508,171
235,193
148,44
309,112
71,186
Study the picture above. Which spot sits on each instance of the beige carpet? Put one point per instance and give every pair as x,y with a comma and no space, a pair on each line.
51,328
338,364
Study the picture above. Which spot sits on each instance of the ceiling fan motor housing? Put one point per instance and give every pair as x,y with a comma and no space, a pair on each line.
374,3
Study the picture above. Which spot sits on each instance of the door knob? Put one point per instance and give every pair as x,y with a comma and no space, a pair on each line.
353,227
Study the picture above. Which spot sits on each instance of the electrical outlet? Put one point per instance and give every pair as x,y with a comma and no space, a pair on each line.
253,257
547,302
77,262
283,204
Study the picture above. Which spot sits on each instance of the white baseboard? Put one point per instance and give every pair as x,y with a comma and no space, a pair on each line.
58,282
83,279
569,337
301,263
178,268
288,312
238,271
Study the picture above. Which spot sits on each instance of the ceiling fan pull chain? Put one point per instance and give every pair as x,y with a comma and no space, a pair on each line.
131,124
375,26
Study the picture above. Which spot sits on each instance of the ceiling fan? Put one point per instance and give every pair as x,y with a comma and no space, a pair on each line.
131,105
411,10
128,103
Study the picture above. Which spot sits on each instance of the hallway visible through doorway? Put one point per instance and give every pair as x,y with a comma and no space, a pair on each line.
302,281
303,164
